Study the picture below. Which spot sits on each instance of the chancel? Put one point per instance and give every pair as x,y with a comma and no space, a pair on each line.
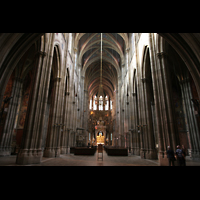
64,94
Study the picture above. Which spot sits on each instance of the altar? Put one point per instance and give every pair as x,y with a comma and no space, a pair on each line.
100,132
100,139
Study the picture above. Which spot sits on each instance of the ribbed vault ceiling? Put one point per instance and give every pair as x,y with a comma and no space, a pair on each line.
89,54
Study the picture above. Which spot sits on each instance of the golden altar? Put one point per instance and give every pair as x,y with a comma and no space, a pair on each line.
100,139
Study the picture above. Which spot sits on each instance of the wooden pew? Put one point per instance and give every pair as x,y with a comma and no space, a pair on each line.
120,151
84,151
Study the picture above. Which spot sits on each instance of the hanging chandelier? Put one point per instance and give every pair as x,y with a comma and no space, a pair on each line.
100,92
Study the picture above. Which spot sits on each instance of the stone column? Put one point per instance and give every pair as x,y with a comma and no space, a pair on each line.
65,134
150,141
127,116
136,140
6,139
71,103
144,124
191,118
31,146
121,135
141,115
165,119
155,70
117,121
46,116
85,114
69,117
127,58
60,113
154,122
60,116
54,126
66,121
120,106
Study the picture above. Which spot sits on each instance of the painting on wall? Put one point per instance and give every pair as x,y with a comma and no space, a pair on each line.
24,102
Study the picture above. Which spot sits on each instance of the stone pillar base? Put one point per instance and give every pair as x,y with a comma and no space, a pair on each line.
136,151
68,150
195,154
142,153
51,152
4,152
151,154
26,156
63,150
132,151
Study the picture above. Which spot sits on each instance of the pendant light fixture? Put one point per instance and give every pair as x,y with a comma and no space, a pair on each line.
100,93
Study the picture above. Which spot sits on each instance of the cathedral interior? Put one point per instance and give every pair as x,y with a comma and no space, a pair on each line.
64,93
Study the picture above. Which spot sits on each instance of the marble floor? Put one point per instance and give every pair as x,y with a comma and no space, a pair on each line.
75,160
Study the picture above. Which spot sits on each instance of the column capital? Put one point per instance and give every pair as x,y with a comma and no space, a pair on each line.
161,55
40,53
185,80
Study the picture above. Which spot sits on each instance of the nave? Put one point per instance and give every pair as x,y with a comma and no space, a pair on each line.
138,91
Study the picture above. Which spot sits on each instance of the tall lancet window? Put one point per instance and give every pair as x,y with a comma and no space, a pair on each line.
100,103
106,103
90,104
95,103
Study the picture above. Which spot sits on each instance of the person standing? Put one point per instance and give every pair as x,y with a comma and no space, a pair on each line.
179,156
170,156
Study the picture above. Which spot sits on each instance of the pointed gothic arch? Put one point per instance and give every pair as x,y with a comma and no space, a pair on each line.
52,147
